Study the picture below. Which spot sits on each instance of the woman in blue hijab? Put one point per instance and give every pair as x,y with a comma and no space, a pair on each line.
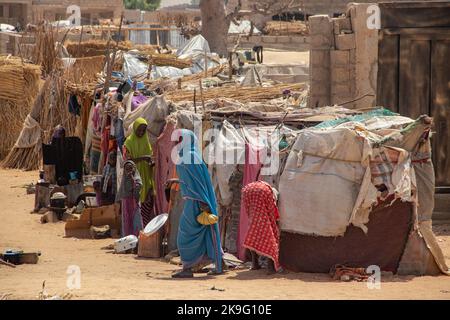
197,243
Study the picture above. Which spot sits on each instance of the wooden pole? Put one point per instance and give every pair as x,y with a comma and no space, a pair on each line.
149,67
206,64
7,263
230,65
79,41
195,103
111,63
201,94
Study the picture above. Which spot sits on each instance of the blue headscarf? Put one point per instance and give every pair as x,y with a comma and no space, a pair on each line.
196,240
195,181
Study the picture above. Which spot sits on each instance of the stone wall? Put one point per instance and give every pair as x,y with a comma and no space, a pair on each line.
294,43
343,59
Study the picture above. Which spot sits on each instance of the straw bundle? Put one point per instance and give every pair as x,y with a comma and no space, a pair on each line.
93,48
238,93
280,28
147,48
20,85
85,69
212,72
49,110
18,80
169,60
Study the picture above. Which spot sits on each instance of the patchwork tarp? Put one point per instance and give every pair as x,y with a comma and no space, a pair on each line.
362,161
332,174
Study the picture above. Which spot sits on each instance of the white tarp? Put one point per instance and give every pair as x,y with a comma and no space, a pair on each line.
243,27
30,134
317,193
197,44
132,66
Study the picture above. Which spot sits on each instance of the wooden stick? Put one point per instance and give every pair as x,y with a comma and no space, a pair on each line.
195,103
206,64
111,64
7,263
201,94
230,65
79,41
149,67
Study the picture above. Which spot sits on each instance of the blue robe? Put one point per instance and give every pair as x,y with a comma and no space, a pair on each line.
195,241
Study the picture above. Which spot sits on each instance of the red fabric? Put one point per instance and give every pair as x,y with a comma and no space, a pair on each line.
263,235
253,164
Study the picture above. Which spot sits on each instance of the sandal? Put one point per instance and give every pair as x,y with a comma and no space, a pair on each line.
183,274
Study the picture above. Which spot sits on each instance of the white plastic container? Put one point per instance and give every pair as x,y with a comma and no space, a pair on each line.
125,243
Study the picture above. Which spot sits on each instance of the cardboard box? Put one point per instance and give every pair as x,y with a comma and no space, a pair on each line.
97,216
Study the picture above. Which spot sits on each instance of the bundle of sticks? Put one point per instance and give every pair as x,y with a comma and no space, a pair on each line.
280,28
44,53
169,60
237,92
92,48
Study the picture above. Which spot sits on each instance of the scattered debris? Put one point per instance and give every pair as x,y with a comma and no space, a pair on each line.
217,289
44,295
5,296
7,263
100,232
343,273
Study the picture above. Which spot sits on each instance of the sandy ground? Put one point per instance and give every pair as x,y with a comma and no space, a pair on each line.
288,57
109,276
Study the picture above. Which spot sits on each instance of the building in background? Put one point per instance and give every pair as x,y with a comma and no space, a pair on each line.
32,11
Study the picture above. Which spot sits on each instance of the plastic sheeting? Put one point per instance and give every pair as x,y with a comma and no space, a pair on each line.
132,66
243,27
153,110
197,44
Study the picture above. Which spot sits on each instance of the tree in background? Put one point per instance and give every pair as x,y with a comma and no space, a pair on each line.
147,5
216,18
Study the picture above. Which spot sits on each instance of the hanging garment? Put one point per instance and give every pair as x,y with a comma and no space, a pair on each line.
252,168
164,166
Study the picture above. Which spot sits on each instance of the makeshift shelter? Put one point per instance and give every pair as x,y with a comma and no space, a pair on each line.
359,192
19,83
49,110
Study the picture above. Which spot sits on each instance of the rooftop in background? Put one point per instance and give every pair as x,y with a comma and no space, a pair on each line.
172,3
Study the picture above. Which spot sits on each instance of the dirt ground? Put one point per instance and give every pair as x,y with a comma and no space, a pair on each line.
272,56
109,276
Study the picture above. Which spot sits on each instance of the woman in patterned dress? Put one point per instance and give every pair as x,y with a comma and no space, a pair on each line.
263,236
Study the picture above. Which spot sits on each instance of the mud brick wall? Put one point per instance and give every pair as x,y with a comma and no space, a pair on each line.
343,59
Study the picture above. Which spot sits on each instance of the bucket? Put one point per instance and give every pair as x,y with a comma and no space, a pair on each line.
149,246
150,239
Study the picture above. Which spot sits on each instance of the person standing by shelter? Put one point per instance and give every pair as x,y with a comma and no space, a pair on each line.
129,193
106,190
138,149
263,236
198,233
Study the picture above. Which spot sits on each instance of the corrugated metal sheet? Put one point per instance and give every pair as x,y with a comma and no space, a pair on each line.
172,37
